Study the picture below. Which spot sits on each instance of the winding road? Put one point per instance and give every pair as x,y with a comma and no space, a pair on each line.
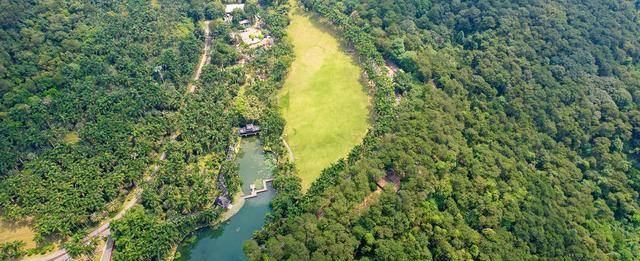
103,230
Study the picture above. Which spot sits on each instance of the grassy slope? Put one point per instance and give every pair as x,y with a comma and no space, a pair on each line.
322,100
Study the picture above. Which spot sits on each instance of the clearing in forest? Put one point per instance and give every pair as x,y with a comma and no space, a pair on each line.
71,138
322,100
17,231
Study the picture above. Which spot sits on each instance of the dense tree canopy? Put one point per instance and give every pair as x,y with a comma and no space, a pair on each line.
230,93
86,89
515,136
513,125
142,236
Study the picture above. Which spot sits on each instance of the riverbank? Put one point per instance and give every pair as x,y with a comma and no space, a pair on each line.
238,203
245,216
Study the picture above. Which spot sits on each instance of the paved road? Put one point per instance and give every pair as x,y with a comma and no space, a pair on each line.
108,249
61,254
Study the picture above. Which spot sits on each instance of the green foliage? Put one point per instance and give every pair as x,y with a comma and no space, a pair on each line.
108,72
77,248
141,236
11,250
180,197
514,140
115,76
516,136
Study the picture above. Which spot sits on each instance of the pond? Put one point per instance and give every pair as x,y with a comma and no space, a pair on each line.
225,242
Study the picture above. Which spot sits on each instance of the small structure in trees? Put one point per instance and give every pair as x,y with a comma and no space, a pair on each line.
389,178
232,7
245,23
228,9
249,130
223,201
267,41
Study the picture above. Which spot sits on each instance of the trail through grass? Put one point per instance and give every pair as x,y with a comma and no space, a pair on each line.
322,100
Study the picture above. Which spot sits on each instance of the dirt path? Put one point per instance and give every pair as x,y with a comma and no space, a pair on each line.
203,58
369,199
288,149
373,197
104,230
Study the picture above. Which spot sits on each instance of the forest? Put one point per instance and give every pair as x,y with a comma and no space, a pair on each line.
87,93
91,94
512,126
515,137
180,197
96,108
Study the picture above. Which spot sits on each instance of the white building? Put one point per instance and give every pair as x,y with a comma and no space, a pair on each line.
245,23
229,8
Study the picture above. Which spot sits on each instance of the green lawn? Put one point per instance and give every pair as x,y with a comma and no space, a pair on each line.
323,101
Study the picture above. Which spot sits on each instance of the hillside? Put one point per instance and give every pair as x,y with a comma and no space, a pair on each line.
495,130
515,137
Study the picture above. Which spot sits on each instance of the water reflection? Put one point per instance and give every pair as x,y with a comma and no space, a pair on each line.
225,242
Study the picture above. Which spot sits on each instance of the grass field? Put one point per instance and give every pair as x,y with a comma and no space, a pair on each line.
12,231
322,100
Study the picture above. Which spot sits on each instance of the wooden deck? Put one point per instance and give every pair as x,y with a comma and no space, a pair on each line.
254,192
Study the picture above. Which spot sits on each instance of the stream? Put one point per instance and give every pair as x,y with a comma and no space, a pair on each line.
225,242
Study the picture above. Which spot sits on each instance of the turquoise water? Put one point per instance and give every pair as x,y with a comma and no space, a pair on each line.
253,164
225,242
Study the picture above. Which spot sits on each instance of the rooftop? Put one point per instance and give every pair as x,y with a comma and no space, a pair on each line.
229,8
250,129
